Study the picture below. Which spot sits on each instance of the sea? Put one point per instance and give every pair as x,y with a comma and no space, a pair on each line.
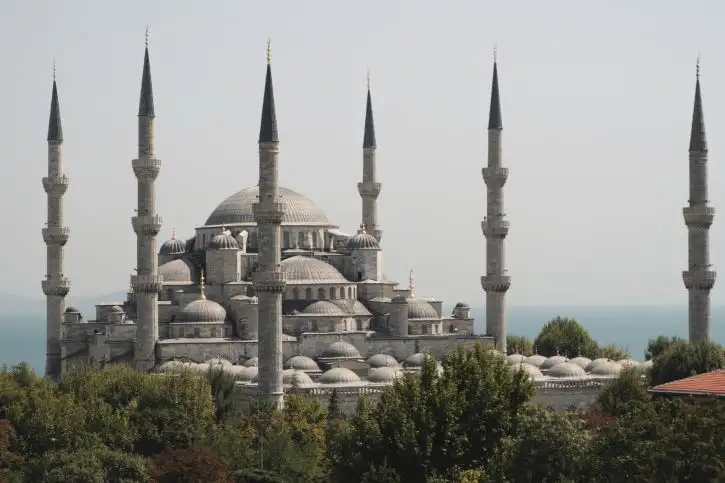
22,335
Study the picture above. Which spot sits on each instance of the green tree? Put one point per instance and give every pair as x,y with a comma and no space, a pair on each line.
222,389
566,337
620,394
89,465
516,344
685,359
659,345
190,465
611,351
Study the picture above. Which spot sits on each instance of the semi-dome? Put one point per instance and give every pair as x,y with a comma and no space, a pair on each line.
581,361
532,371
362,241
173,246
323,307
420,309
340,350
415,361
202,310
536,360
339,376
382,360
298,209
306,270
179,270
515,359
384,375
607,368
251,362
223,241
566,369
596,362
301,363
553,361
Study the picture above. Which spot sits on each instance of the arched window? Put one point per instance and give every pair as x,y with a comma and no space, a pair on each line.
295,293
342,293
321,293
333,293
349,292
314,239
308,293
286,240
197,332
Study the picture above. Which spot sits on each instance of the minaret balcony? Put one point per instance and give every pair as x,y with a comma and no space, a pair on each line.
56,235
147,283
271,282
369,189
55,185
56,287
496,228
146,168
698,216
146,225
495,176
496,283
268,213
702,279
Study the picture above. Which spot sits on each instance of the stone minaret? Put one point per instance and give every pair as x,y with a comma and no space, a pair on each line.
496,282
369,189
55,286
147,282
699,277
269,281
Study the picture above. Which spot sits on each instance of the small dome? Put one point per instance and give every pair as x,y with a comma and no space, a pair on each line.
306,270
71,309
301,363
170,366
251,362
497,353
218,362
536,360
420,309
116,310
179,270
382,360
385,375
174,246
515,359
595,362
608,368
323,307
339,375
416,360
223,241
566,369
202,310
581,361
291,377
399,299
341,350
461,305
248,374
553,361
645,366
203,367
627,363
363,241
532,371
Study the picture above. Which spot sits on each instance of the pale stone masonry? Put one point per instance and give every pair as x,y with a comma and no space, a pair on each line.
699,278
269,281
55,234
369,188
146,224
495,227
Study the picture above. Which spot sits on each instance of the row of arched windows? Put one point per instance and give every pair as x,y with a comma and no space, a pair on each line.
333,293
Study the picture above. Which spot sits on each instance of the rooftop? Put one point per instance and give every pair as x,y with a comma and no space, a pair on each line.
709,384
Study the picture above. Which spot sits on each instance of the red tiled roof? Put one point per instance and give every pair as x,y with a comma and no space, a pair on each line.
709,383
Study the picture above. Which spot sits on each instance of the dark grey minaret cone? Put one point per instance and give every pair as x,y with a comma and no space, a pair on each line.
269,281
699,278
146,224
55,234
369,188
495,227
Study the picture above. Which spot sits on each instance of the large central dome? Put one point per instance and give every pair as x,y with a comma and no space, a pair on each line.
299,210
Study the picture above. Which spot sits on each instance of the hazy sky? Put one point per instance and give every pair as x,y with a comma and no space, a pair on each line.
596,97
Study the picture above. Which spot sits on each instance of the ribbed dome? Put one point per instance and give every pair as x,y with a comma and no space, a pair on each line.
420,309
71,309
608,368
552,361
308,270
532,371
174,246
341,350
627,363
301,363
596,362
248,374
566,369
536,360
385,375
222,241
179,270
291,377
399,299
645,366
461,305
218,362
415,361
515,359
170,366
581,361
298,210
323,307
251,362
354,307
116,309
382,360
202,310
203,367
363,241
339,376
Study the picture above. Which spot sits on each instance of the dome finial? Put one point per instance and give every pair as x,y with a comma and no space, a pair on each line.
361,230
224,228
147,36
495,52
411,283
202,294
173,234
269,51
369,79
697,66
54,70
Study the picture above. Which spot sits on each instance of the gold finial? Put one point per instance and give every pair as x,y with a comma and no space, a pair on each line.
147,35
495,52
369,80
269,51
224,228
202,295
697,66
362,228
411,283
54,70
173,234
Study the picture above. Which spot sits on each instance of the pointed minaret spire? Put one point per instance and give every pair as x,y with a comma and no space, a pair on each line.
698,140
369,135
146,103
55,129
268,127
369,188
494,114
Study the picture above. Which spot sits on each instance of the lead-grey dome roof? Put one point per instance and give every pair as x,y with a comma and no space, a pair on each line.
382,360
363,241
339,375
536,360
298,209
341,350
178,270
581,361
385,375
420,309
553,361
202,310
301,363
323,307
174,246
567,369
223,241
306,270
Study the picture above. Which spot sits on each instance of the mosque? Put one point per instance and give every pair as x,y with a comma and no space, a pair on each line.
272,291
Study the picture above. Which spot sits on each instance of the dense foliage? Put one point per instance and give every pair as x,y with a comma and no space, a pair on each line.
683,359
470,421
567,337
